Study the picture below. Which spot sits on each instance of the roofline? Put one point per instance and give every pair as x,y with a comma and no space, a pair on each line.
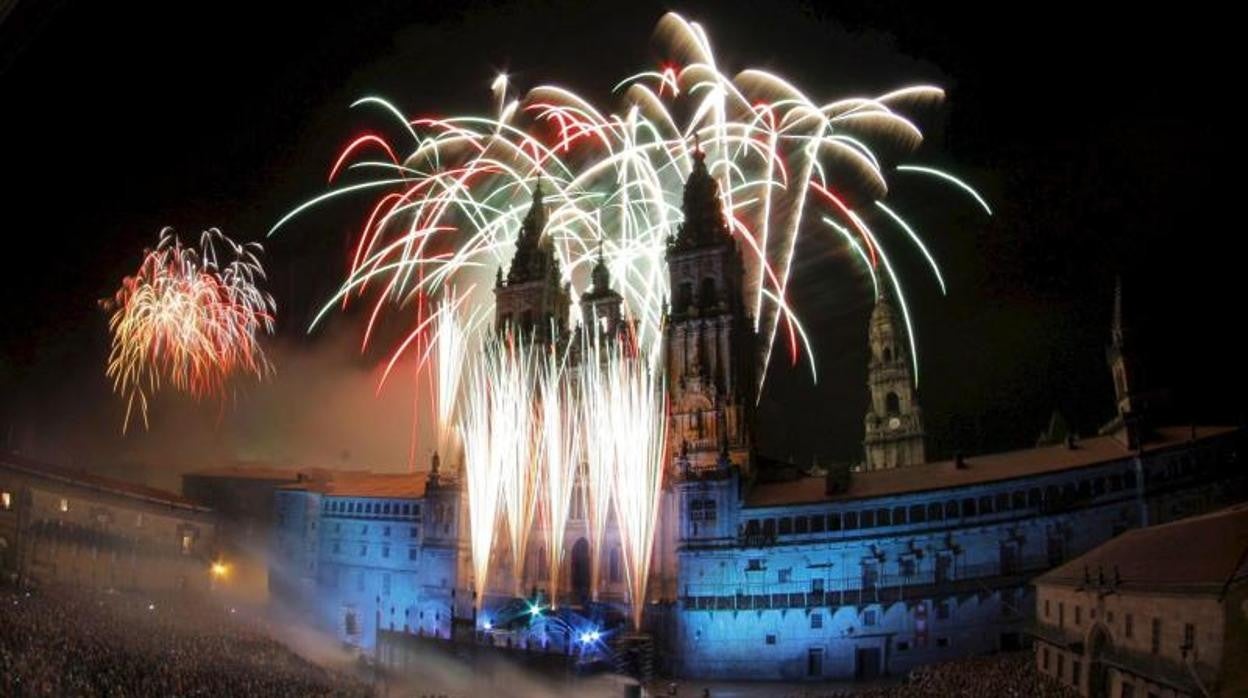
180,503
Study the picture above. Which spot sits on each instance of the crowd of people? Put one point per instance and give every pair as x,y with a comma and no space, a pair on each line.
1001,676
61,642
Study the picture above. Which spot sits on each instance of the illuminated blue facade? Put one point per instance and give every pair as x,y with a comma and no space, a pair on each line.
796,580
370,552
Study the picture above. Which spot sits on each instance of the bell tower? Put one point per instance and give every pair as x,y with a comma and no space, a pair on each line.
711,354
533,300
894,422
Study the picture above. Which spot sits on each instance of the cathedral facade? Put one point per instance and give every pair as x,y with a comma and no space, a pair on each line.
760,573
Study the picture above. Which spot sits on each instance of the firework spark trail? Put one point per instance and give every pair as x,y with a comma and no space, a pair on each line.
599,453
189,321
515,437
635,398
450,208
483,467
560,458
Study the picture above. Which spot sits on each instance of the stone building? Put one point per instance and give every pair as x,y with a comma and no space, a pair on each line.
761,571
369,552
1159,611
69,527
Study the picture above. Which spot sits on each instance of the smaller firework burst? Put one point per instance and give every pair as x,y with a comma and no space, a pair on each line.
189,319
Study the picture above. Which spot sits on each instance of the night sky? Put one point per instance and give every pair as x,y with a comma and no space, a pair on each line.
1099,141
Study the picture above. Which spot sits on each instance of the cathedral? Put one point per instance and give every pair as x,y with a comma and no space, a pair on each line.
759,572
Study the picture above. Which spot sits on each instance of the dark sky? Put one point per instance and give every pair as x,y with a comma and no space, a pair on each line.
1099,140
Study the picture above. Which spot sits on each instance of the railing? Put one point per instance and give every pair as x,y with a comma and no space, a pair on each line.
887,588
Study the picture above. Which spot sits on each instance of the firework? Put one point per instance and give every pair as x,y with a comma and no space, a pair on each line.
633,396
451,194
450,206
560,454
188,320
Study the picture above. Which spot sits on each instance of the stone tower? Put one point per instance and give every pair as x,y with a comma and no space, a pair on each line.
602,307
1128,425
894,422
533,300
711,354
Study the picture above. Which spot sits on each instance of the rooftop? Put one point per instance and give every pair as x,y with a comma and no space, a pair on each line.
366,484
92,481
978,469
1208,551
248,472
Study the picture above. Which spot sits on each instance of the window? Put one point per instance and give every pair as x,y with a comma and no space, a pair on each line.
851,520
1078,615
869,617
942,610
816,585
1045,658
834,522
786,526
868,519
785,575
917,513
1061,614
754,565
385,551
968,507
816,524
64,504
1061,666
613,568
771,639
942,642
816,621
935,512
138,521
415,532
1128,691
1156,641
187,541
702,511
908,566
363,550
985,505
337,547
1128,625
413,553
1075,670
903,646
1003,501
385,584
870,575
6,501
892,405
386,531
1046,608
899,516
1189,636
801,524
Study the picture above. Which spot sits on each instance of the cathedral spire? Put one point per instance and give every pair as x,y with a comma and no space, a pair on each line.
704,224
533,259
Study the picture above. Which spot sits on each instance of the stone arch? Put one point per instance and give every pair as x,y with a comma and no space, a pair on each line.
1099,642
580,572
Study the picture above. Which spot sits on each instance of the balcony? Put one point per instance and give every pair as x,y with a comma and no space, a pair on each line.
849,591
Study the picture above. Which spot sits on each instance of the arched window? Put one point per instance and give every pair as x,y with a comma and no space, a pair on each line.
888,353
892,404
613,568
685,297
706,293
